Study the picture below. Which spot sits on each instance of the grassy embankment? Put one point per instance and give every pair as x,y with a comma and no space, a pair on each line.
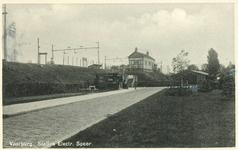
32,82
202,120
151,79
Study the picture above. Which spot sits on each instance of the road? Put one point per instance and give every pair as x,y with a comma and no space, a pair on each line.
43,127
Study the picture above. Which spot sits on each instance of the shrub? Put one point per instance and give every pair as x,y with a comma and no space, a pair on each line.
170,92
205,86
215,84
178,92
228,87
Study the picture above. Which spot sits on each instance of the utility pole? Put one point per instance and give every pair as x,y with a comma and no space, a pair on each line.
98,52
105,62
161,67
46,59
63,57
78,48
5,33
38,48
52,59
167,69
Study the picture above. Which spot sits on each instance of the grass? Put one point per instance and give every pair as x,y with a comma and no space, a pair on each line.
201,120
14,73
23,79
26,79
27,99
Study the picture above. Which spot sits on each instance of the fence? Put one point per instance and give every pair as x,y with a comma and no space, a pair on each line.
153,84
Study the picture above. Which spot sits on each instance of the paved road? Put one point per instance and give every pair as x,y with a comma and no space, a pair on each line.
11,110
43,127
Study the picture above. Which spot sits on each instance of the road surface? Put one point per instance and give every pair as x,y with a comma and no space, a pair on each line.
45,127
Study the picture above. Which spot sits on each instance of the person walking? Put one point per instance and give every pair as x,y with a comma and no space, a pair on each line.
135,83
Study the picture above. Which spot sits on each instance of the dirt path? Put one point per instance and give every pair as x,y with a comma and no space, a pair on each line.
43,127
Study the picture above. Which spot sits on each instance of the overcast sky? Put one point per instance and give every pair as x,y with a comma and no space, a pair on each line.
162,29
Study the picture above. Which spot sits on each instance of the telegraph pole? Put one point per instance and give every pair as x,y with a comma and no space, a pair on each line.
38,48
105,62
98,52
161,67
63,57
167,69
52,59
5,33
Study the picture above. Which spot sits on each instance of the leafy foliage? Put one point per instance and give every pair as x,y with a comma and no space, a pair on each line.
204,68
180,63
228,87
205,86
12,46
224,72
178,92
213,63
193,67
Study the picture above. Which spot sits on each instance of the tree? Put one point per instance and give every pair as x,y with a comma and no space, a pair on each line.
193,67
115,67
180,63
228,87
204,68
213,65
223,71
12,43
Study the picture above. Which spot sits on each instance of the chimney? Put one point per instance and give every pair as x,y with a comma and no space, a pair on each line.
147,53
136,49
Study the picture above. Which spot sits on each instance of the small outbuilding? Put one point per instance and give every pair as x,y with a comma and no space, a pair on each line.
190,77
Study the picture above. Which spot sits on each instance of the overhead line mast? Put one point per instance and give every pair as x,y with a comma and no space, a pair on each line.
5,32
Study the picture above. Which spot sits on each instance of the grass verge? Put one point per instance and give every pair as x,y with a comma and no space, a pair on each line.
203,120
27,99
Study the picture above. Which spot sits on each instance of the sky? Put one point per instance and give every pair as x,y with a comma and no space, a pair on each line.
159,28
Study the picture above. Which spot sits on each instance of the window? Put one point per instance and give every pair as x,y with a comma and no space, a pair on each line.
149,63
145,62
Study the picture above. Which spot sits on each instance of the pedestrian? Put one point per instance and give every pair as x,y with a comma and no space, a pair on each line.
135,84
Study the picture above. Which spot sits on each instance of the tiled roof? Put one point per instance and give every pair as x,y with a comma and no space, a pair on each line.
139,55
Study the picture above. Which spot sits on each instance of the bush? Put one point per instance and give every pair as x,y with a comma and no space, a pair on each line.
205,86
33,89
178,92
228,87
215,84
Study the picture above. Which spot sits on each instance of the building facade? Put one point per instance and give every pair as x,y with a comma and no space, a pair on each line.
141,62
190,77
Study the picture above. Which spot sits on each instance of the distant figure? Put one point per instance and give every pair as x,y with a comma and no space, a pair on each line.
135,84
125,85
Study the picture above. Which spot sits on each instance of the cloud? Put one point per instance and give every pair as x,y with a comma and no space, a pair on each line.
164,32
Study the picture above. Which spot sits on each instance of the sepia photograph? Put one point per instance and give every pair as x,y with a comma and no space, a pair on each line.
118,74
